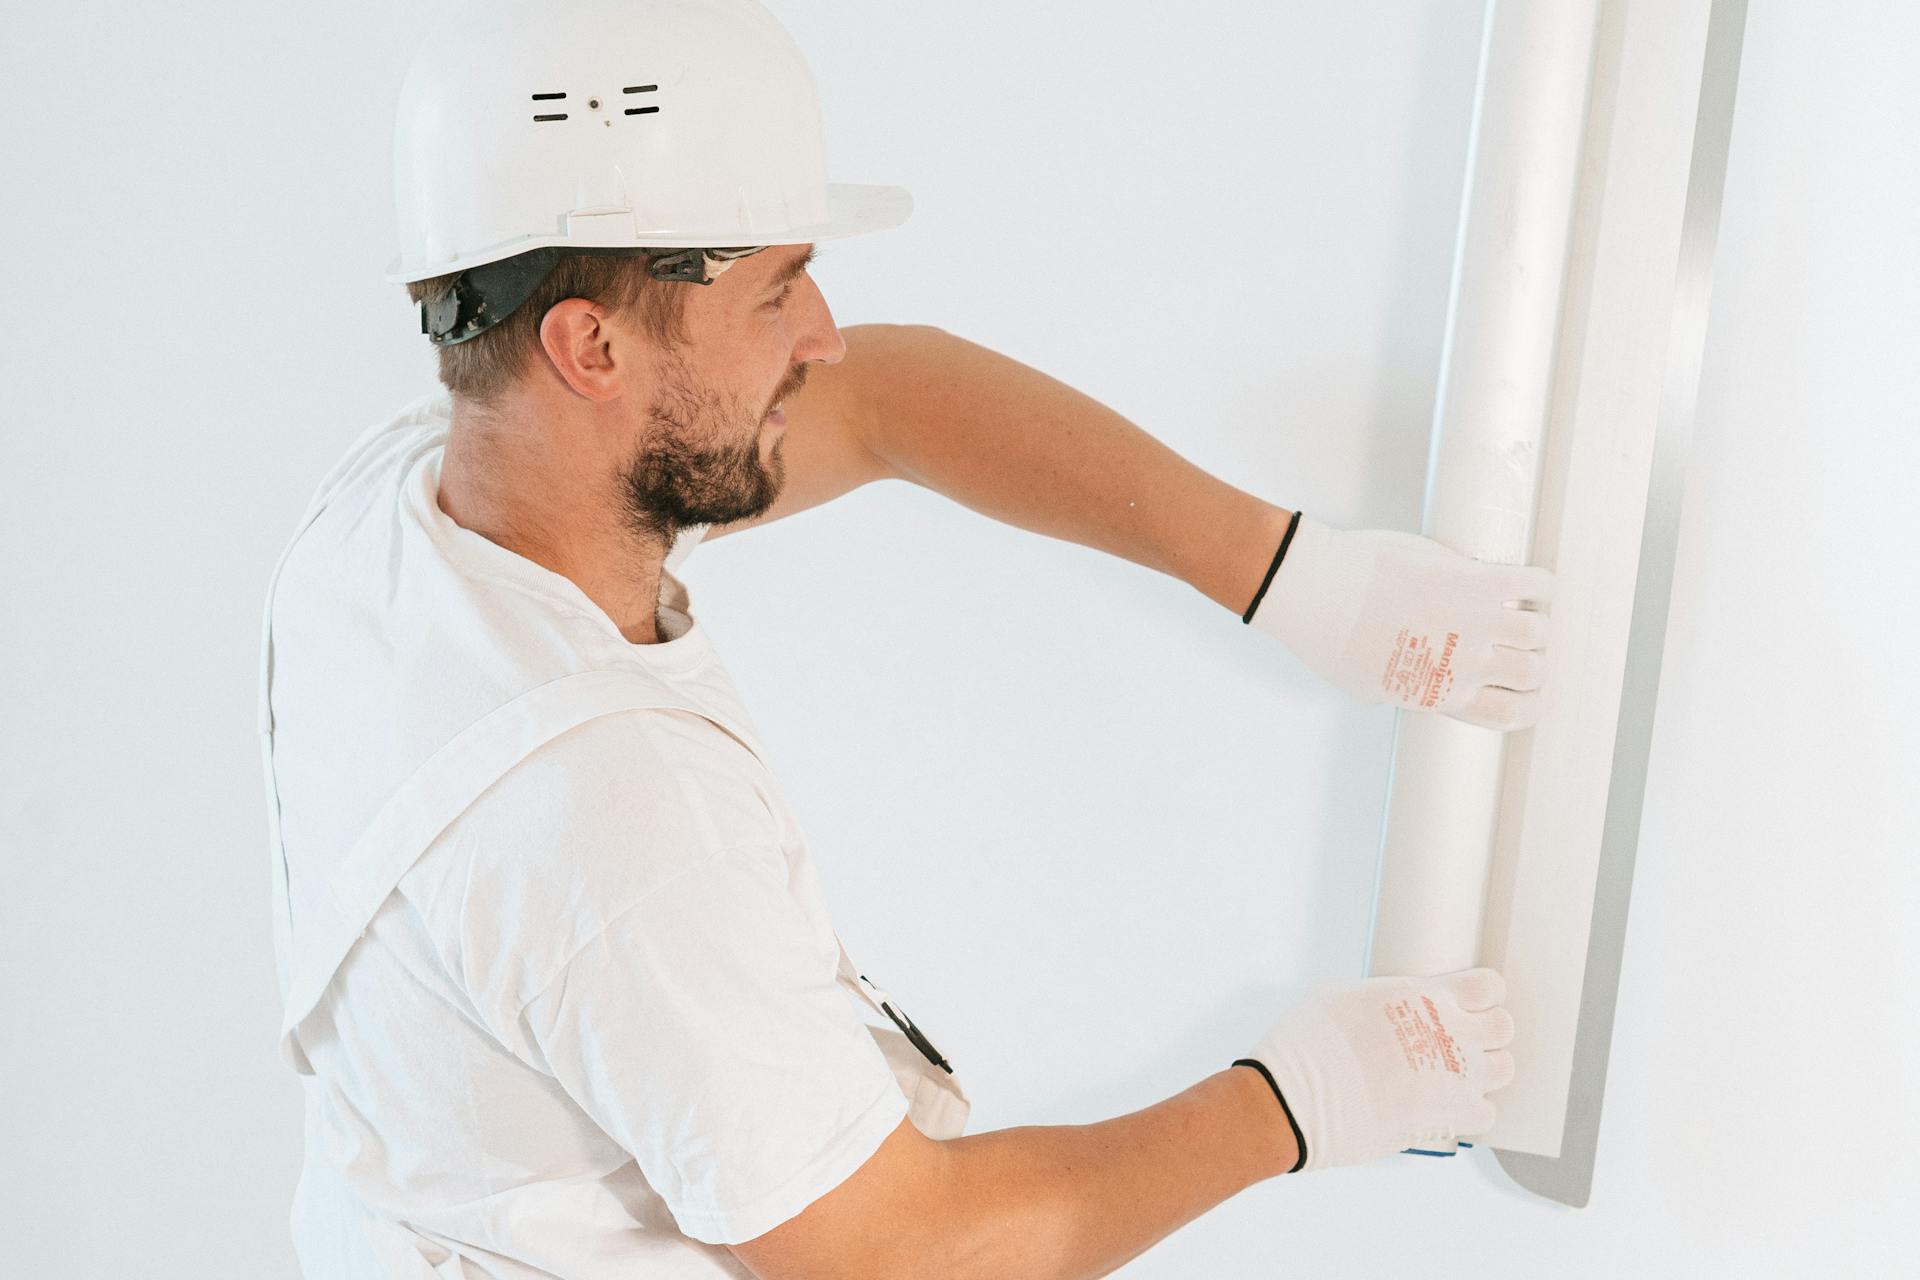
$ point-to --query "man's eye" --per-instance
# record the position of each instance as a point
(781, 297)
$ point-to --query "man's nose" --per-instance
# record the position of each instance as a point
(822, 341)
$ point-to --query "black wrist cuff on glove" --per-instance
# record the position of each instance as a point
(1271, 570)
(1299, 1138)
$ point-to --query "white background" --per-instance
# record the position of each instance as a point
(1090, 829)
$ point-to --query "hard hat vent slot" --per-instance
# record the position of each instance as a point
(632, 111)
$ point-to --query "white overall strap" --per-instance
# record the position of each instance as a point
(263, 721)
(423, 806)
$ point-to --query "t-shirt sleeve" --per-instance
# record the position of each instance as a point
(703, 1030)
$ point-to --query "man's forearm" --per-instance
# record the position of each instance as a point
(1069, 1202)
(1010, 442)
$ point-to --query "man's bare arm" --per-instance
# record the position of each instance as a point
(917, 403)
(1038, 1202)
(1010, 442)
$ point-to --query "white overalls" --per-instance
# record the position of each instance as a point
(308, 951)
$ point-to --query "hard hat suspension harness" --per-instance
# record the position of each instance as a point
(483, 296)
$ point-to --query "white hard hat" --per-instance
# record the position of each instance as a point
(610, 126)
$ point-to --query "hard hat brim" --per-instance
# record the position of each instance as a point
(853, 209)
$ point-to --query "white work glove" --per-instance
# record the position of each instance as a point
(1367, 1068)
(1396, 617)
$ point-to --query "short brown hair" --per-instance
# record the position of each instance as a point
(482, 368)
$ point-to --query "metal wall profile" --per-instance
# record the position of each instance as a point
(1561, 429)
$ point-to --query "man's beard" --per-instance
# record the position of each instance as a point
(675, 479)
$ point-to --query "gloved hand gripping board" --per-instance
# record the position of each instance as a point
(1560, 435)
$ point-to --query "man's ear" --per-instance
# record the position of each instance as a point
(578, 338)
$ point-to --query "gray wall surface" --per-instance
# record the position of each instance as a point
(1092, 831)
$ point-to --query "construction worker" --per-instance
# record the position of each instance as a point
(561, 984)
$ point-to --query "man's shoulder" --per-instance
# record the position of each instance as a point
(662, 763)
(424, 420)
(608, 810)
(589, 824)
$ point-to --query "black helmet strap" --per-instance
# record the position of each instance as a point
(483, 296)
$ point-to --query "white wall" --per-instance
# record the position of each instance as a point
(1091, 830)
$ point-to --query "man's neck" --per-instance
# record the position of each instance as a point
(545, 519)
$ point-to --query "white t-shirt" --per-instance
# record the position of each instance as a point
(595, 1031)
